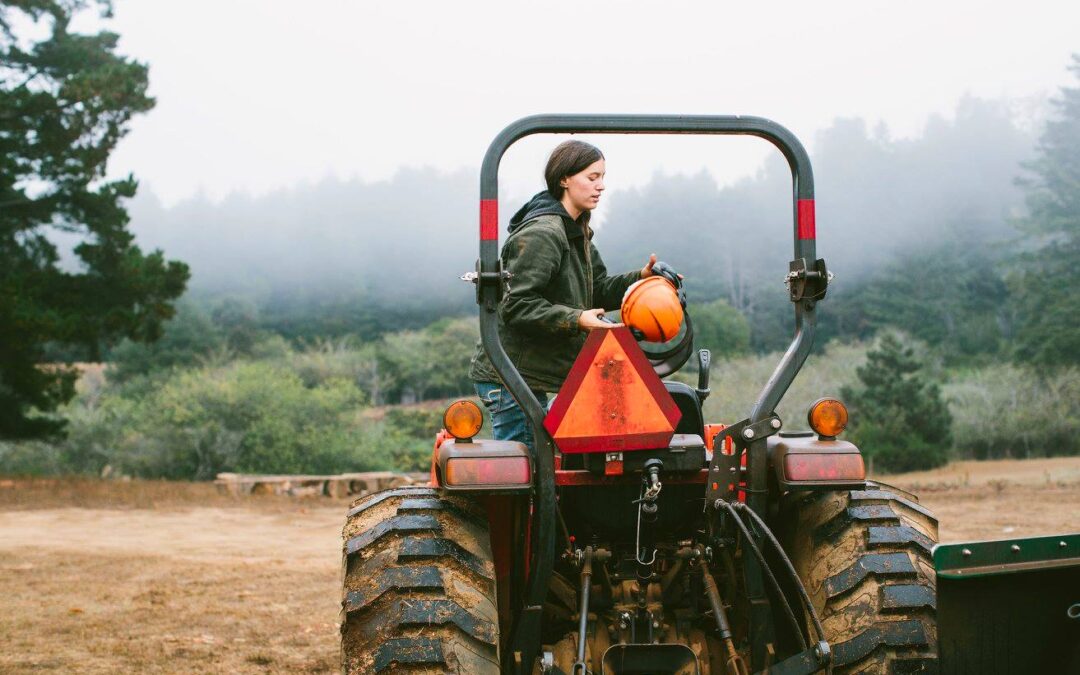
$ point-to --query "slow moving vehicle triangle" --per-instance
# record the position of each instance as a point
(612, 400)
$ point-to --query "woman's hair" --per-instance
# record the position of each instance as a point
(568, 158)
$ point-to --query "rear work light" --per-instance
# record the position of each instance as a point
(815, 467)
(461, 471)
(463, 420)
(828, 417)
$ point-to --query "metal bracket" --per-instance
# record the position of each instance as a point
(807, 283)
(813, 660)
(500, 278)
(724, 470)
(547, 664)
(723, 474)
(524, 642)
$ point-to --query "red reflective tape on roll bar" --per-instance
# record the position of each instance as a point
(807, 228)
(489, 219)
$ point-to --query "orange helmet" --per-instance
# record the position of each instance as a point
(652, 306)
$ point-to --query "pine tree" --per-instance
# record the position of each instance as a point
(898, 417)
(65, 101)
(1045, 291)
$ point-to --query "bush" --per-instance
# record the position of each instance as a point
(192, 406)
(323, 360)
(245, 416)
(429, 363)
(414, 421)
(1009, 411)
(402, 451)
(253, 417)
(31, 458)
(720, 328)
(736, 383)
(189, 338)
(303, 411)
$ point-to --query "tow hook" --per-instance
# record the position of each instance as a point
(647, 510)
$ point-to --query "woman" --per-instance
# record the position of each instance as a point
(559, 287)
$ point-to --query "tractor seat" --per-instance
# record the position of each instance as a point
(692, 421)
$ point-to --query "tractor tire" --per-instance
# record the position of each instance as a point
(865, 559)
(419, 585)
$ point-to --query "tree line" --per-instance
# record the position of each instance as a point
(964, 237)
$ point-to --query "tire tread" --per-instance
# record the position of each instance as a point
(865, 558)
(419, 586)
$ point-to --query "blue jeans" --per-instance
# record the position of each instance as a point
(508, 421)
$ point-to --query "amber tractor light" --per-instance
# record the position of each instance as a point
(463, 420)
(827, 418)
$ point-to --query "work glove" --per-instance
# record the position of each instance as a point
(665, 270)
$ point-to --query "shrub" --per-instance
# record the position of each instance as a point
(736, 383)
(324, 359)
(416, 422)
(720, 328)
(1008, 411)
(429, 363)
(401, 451)
(188, 339)
(31, 458)
(252, 417)
(245, 416)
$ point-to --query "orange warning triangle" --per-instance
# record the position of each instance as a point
(612, 399)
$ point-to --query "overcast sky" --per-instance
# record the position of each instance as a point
(262, 95)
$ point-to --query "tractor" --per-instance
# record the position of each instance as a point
(636, 538)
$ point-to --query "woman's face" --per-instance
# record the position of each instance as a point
(583, 188)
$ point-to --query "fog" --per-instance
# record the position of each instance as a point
(405, 240)
(258, 97)
(300, 155)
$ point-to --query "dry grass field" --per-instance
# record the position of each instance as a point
(106, 577)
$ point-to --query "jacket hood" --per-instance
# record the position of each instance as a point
(544, 203)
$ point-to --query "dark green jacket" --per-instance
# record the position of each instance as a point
(556, 273)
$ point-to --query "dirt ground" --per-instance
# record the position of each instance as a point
(171, 577)
(1000, 499)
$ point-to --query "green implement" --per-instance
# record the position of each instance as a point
(1010, 606)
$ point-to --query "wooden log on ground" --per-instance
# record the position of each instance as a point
(339, 486)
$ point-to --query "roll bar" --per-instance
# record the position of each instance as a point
(491, 280)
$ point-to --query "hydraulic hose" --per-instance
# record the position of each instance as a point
(788, 613)
(791, 571)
